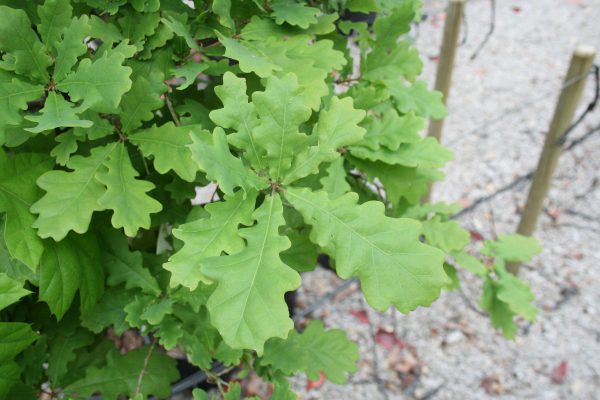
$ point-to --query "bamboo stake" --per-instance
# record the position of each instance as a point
(443, 76)
(581, 62)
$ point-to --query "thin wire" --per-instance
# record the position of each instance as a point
(515, 109)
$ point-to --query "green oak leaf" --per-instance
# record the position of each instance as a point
(212, 154)
(517, 294)
(238, 114)
(447, 236)
(69, 265)
(500, 313)
(62, 352)
(67, 145)
(9, 378)
(150, 371)
(28, 56)
(125, 195)
(374, 247)
(18, 191)
(180, 29)
(71, 197)
(223, 9)
(416, 97)
(293, 13)
(469, 262)
(57, 113)
(209, 237)
(392, 130)
(146, 6)
(427, 153)
(281, 111)
(125, 266)
(512, 248)
(189, 71)
(55, 16)
(168, 144)
(334, 182)
(14, 338)
(100, 84)
(314, 351)
(388, 28)
(10, 291)
(250, 57)
(14, 95)
(337, 127)
(60, 274)
(383, 63)
(138, 104)
(109, 311)
(71, 47)
(247, 306)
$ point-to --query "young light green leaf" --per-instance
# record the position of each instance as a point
(209, 237)
(447, 236)
(334, 182)
(100, 84)
(125, 195)
(512, 248)
(181, 29)
(250, 308)
(313, 351)
(18, 191)
(145, 6)
(238, 114)
(427, 153)
(297, 14)
(71, 47)
(281, 111)
(500, 313)
(517, 294)
(67, 145)
(392, 130)
(337, 127)
(57, 112)
(469, 262)
(400, 60)
(417, 98)
(29, 57)
(71, 197)
(168, 144)
(223, 9)
(251, 58)
(10, 291)
(374, 247)
(55, 16)
(211, 152)
(189, 71)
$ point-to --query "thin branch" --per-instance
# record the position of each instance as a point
(172, 111)
(488, 35)
(138, 387)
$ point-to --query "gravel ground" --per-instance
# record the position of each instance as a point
(500, 107)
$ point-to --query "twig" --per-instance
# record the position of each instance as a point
(378, 381)
(138, 387)
(172, 110)
(324, 298)
(490, 31)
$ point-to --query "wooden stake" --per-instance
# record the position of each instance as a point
(581, 62)
(443, 76)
